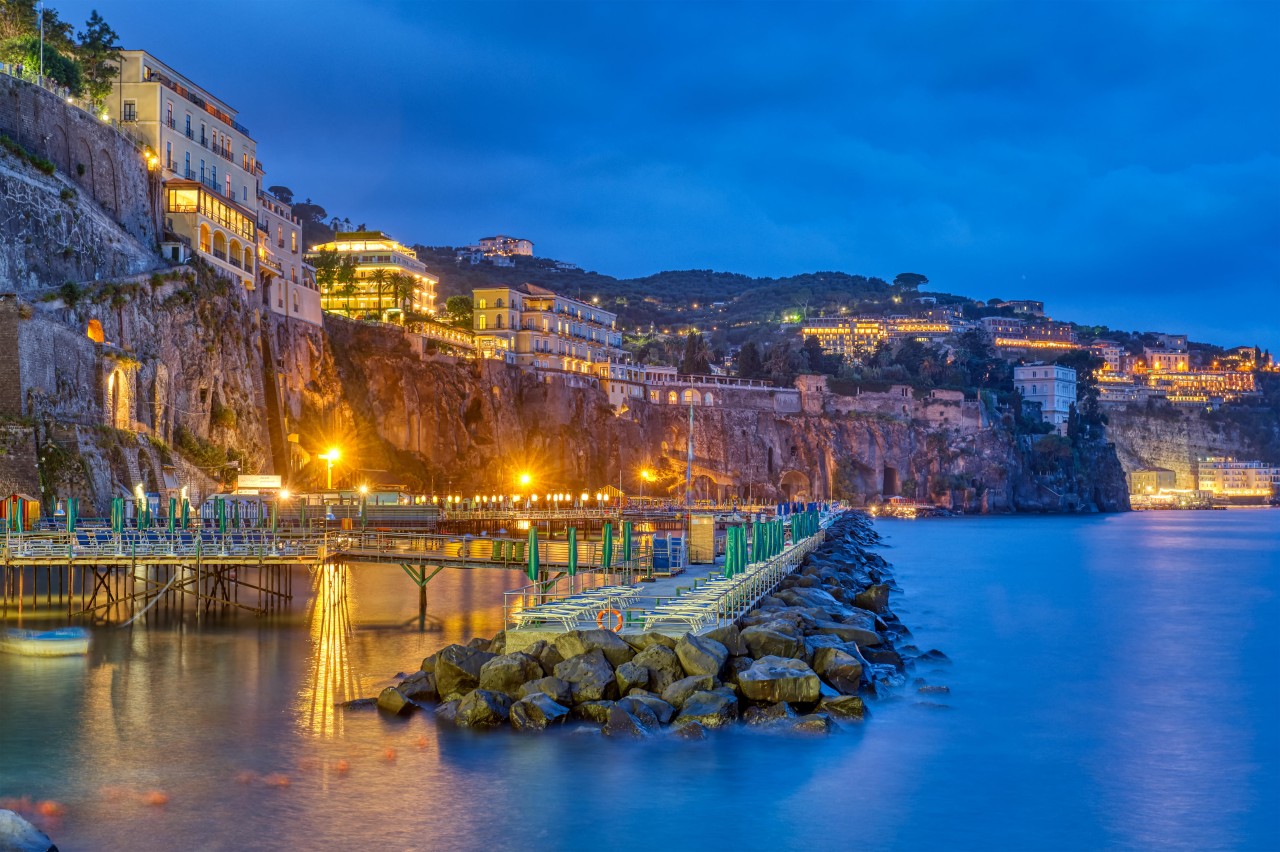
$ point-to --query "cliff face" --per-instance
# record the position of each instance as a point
(473, 427)
(1174, 438)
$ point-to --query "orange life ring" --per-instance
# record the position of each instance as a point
(600, 620)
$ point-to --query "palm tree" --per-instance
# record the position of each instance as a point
(379, 279)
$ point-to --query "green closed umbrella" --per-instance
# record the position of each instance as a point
(275, 516)
(729, 557)
(364, 512)
(220, 509)
(235, 513)
(626, 541)
(302, 514)
(573, 551)
(606, 546)
(173, 511)
(533, 552)
(186, 512)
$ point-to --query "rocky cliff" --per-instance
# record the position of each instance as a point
(1175, 438)
(472, 427)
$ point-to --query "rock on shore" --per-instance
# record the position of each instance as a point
(800, 661)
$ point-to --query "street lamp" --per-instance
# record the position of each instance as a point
(646, 475)
(330, 457)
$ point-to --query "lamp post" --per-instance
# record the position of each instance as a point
(646, 475)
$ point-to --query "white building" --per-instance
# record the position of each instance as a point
(288, 281)
(207, 158)
(541, 329)
(1053, 387)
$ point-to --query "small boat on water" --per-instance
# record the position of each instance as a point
(64, 642)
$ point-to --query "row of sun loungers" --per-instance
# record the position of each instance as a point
(572, 611)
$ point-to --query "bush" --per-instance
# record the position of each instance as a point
(71, 294)
(223, 416)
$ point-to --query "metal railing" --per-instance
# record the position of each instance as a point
(105, 545)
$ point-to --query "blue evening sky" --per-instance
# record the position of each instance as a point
(1119, 161)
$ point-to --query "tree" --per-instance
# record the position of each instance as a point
(783, 363)
(814, 356)
(750, 364)
(696, 359)
(17, 19)
(461, 310)
(97, 53)
(25, 50)
(910, 280)
(380, 279)
(284, 193)
(403, 287)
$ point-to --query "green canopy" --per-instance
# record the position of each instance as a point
(606, 546)
(573, 551)
(533, 552)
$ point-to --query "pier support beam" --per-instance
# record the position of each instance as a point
(420, 577)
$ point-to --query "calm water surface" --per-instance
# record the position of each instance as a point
(1115, 685)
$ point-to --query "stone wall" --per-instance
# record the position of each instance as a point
(104, 164)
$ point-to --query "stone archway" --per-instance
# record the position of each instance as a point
(104, 182)
(794, 485)
(94, 332)
(118, 401)
(60, 151)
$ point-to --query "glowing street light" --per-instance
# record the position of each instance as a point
(525, 479)
(330, 457)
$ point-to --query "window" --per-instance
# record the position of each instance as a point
(187, 165)
(295, 303)
(129, 112)
(202, 170)
(188, 124)
(168, 155)
(293, 238)
(497, 303)
(482, 304)
(497, 321)
(481, 322)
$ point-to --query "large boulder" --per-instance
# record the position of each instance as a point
(874, 598)
(709, 709)
(885, 656)
(643, 641)
(420, 690)
(844, 707)
(661, 709)
(775, 679)
(578, 642)
(663, 665)
(631, 676)
(813, 598)
(762, 641)
(592, 711)
(728, 636)
(700, 655)
(536, 712)
(548, 656)
(859, 633)
(768, 714)
(633, 720)
(447, 713)
(509, 672)
(482, 708)
(498, 644)
(817, 724)
(590, 677)
(838, 668)
(393, 702)
(689, 730)
(18, 835)
(429, 663)
(457, 670)
(553, 687)
(480, 643)
(676, 693)
(735, 667)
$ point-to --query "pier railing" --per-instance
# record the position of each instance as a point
(104, 545)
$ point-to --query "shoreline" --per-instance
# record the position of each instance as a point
(805, 659)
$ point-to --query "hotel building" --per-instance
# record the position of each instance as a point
(1053, 387)
(505, 246)
(208, 161)
(1226, 477)
(378, 290)
(847, 337)
(532, 326)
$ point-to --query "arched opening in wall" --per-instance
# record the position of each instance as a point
(83, 169)
(708, 399)
(672, 399)
(890, 484)
(117, 407)
(248, 259)
(205, 240)
(61, 150)
(104, 182)
(233, 253)
(94, 332)
(219, 245)
(794, 485)
(691, 397)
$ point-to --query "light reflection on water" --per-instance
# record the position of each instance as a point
(1114, 685)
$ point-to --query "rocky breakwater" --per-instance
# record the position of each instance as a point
(803, 660)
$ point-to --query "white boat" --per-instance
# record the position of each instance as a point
(64, 642)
